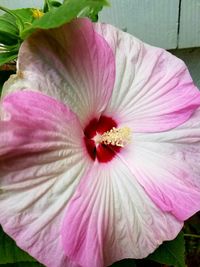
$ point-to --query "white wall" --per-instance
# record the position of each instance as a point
(190, 24)
(21, 3)
(153, 21)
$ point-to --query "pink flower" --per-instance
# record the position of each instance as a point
(99, 147)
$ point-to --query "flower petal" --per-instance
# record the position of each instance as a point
(71, 63)
(167, 166)
(110, 217)
(153, 90)
(41, 162)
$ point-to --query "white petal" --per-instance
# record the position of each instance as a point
(153, 89)
(111, 217)
(167, 165)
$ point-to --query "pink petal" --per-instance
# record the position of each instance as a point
(167, 165)
(110, 217)
(71, 63)
(153, 90)
(41, 162)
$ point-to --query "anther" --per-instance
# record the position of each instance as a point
(116, 137)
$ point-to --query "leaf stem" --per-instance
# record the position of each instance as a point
(192, 235)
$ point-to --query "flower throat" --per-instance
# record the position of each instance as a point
(104, 140)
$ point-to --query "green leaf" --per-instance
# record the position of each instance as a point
(11, 23)
(7, 56)
(63, 14)
(23, 264)
(25, 16)
(91, 13)
(8, 53)
(51, 4)
(102, 2)
(16, 25)
(7, 39)
(124, 263)
(18, 21)
(8, 30)
(10, 253)
(171, 252)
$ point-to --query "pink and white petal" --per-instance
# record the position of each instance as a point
(153, 89)
(32, 215)
(41, 163)
(72, 63)
(167, 166)
(32, 123)
(110, 217)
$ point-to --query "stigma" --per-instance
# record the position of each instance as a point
(115, 137)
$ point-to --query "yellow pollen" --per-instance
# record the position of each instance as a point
(116, 137)
(37, 13)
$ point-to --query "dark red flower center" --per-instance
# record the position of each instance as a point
(100, 151)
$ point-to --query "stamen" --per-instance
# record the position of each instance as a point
(116, 137)
(37, 13)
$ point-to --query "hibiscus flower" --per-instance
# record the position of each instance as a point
(99, 146)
